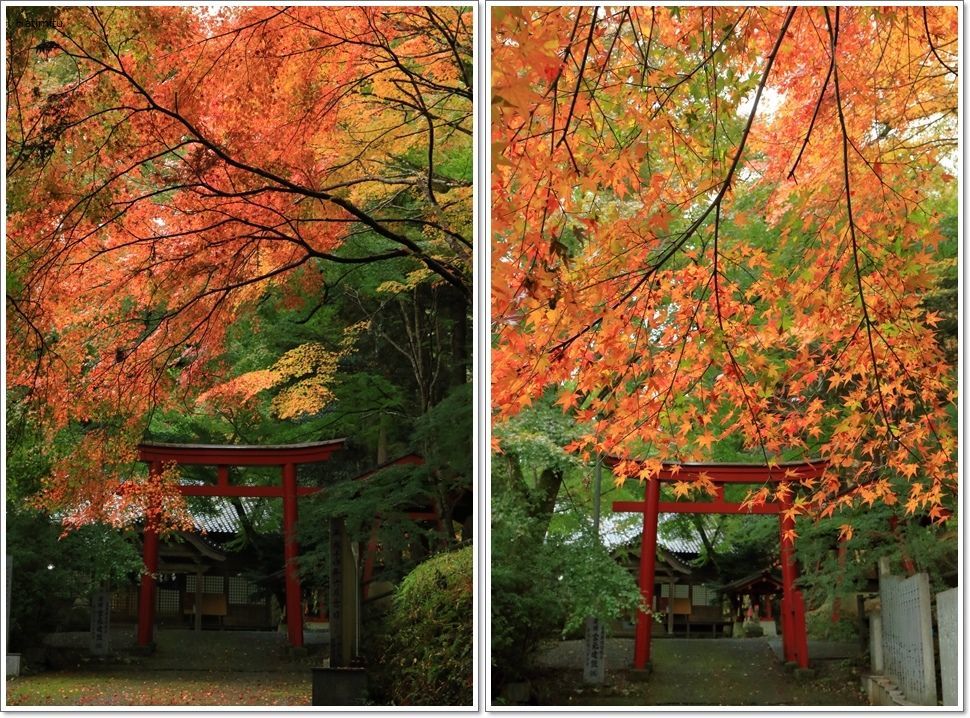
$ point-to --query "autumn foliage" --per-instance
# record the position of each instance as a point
(718, 222)
(166, 165)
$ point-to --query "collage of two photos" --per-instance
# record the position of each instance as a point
(482, 357)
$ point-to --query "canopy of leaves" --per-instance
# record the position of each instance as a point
(170, 168)
(720, 224)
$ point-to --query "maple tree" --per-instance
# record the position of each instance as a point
(720, 223)
(167, 167)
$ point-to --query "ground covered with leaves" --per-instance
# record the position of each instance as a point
(210, 668)
(159, 688)
(699, 672)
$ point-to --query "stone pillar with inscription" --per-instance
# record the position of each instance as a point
(13, 659)
(335, 605)
(100, 622)
(594, 669)
(344, 597)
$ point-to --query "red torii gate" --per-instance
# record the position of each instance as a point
(286, 456)
(794, 636)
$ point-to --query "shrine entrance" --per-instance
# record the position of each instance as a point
(794, 636)
(287, 457)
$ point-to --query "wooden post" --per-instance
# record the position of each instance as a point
(670, 604)
(837, 601)
(795, 638)
(343, 597)
(594, 669)
(787, 523)
(801, 633)
(335, 607)
(291, 550)
(146, 598)
(648, 560)
(350, 584)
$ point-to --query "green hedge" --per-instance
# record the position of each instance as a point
(427, 656)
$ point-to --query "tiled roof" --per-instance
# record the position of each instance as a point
(223, 517)
(620, 529)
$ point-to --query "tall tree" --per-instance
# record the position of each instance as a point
(166, 166)
(717, 222)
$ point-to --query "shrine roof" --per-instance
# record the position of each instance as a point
(763, 576)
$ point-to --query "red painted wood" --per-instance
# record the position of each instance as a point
(648, 558)
(287, 456)
(787, 629)
(214, 455)
(794, 634)
(633, 507)
(146, 598)
(215, 490)
(738, 473)
(786, 523)
(291, 551)
(800, 630)
(716, 507)
(698, 507)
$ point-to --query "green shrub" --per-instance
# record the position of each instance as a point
(50, 573)
(545, 588)
(819, 625)
(427, 643)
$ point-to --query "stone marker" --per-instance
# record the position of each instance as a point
(9, 570)
(100, 623)
(13, 659)
(594, 669)
(335, 604)
(947, 620)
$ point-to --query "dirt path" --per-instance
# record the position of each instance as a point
(700, 672)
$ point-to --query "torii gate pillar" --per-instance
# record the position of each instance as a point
(291, 553)
(648, 561)
(146, 595)
(794, 634)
